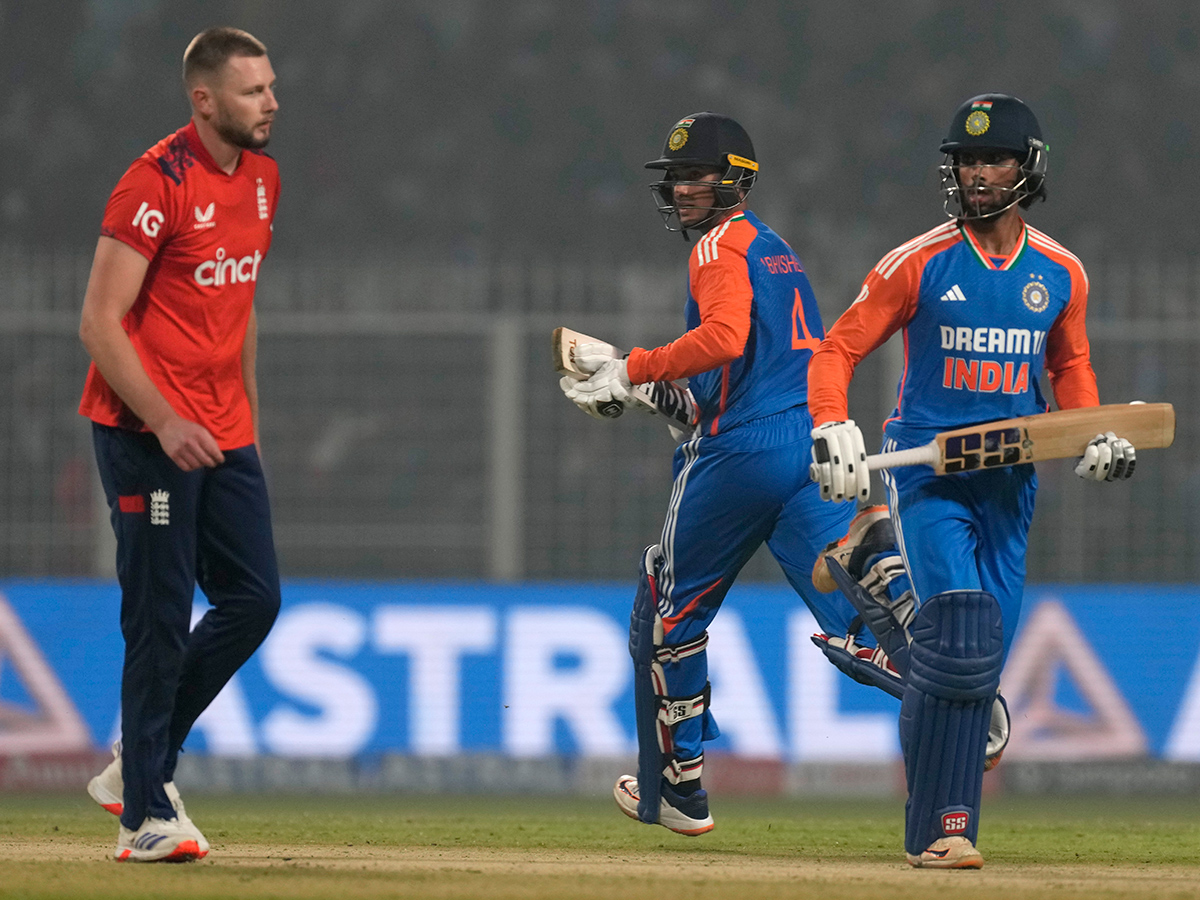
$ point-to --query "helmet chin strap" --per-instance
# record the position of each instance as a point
(955, 192)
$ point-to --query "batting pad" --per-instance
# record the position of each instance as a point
(954, 672)
(643, 623)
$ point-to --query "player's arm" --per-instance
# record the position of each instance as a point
(883, 306)
(723, 295)
(1108, 457)
(113, 286)
(250, 370)
(1068, 354)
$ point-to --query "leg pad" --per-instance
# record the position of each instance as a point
(950, 689)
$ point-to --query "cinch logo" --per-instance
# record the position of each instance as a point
(149, 219)
(160, 512)
(955, 822)
(222, 271)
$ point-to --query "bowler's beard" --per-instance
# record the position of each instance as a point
(234, 134)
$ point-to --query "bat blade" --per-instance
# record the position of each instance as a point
(1053, 435)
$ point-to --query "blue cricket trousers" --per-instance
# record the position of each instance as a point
(732, 493)
(965, 532)
(175, 530)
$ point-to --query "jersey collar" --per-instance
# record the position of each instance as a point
(1009, 261)
(201, 152)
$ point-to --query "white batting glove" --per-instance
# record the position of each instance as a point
(1107, 458)
(840, 462)
(610, 384)
(590, 356)
(585, 401)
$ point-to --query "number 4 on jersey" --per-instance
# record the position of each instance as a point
(802, 338)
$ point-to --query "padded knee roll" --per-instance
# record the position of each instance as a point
(954, 672)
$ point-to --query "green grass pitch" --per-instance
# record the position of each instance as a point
(490, 847)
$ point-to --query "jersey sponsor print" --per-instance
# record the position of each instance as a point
(205, 234)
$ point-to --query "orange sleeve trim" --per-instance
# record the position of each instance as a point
(886, 303)
(1068, 352)
(719, 279)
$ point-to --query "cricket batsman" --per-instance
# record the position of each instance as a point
(986, 303)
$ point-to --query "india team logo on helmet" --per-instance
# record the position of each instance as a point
(994, 122)
(679, 134)
(978, 121)
(711, 141)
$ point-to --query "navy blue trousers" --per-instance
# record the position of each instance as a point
(175, 530)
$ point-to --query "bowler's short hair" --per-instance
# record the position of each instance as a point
(211, 49)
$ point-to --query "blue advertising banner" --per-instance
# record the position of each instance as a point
(437, 669)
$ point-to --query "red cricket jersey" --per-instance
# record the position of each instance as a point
(206, 234)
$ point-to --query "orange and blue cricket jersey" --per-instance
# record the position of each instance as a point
(978, 333)
(752, 323)
(742, 479)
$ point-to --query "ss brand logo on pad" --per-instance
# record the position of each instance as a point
(955, 822)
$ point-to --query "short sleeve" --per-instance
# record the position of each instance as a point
(138, 211)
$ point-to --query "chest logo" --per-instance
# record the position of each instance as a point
(204, 217)
(1036, 296)
(955, 293)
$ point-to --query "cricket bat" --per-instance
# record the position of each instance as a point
(664, 398)
(1053, 435)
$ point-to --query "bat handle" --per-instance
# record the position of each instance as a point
(925, 455)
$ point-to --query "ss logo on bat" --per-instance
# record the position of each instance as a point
(984, 449)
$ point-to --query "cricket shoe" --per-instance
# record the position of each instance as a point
(156, 840)
(184, 820)
(870, 533)
(108, 789)
(947, 853)
(683, 815)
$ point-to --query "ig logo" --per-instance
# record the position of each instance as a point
(150, 219)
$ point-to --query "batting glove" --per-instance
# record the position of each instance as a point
(609, 385)
(1107, 458)
(590, 356)
(840, 462)
(581, 398)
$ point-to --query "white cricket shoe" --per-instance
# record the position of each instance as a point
(108, 789)
(184, 820)
(157, 840)
(948, 853)
(683, 815)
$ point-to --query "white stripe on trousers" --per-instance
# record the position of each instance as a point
(666, 575)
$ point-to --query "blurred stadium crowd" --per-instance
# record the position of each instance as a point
(462, 173)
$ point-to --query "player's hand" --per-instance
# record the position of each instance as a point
(189, 444)
(590, 356)
(1107, 458)
(607, 390)
(576, 392)
(840, 462)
